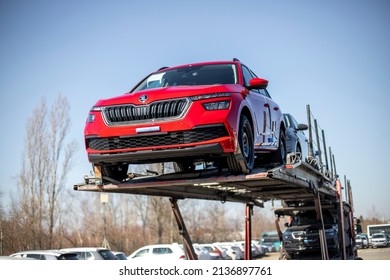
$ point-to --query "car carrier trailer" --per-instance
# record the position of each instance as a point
(297, 181)
(290, 183)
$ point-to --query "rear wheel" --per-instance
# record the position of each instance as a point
(245, 140)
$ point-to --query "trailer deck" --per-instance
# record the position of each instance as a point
(297, 181)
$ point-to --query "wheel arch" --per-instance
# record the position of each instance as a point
(247, 113)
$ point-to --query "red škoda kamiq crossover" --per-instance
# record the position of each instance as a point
(218, 112)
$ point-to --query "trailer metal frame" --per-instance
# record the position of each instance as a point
(291, 183)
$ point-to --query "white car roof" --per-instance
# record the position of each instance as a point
(83, 249)
(42, 252)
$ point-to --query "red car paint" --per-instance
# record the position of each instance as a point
(185, 114)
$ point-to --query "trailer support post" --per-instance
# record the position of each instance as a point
(325, 153)
(321, 230)
(318, 145)
(248, 231)
(188, 248)
(310, 140)
(341, 223)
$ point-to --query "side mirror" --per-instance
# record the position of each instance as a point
(258, 83)
(302, 126)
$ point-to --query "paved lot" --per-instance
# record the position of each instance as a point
(365, 254)
(375, 254)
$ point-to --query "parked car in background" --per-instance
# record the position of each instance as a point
(296, 140)
(201, 252)
(361, 241)
(90, 253)
(255, 250)
(119, 255)
(45, 255)
(9, 258)
(233, 251)
(217, 112)
(216, 252)
(166, 251)
(271, 241)
(378, 240)
(261, 251)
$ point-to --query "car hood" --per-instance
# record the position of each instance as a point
(305, 228)
(167, 93)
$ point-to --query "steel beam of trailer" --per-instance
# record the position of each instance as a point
(295, 181)
(291, 182)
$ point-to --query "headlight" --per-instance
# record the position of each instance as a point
(330, 232)
(220, 105)
(210, 95)
(298, 234)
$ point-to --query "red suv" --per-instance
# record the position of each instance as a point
(215, 112)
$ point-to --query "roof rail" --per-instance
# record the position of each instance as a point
(165, 67)
(235, 59)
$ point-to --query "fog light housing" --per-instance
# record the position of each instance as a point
(91, 118)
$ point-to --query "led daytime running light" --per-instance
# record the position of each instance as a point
(96, 109)
(210, 95)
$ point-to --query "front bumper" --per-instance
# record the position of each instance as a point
(146, 156)
(202, 142)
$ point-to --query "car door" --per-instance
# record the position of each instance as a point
(274, 115)
(260, 110)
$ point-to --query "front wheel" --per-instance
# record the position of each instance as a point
(117, 172)
(183, 166)
(244, 162)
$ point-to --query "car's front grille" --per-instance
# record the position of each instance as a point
(122, 114)
(172, 138)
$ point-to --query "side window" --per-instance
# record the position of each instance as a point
(247, 74)
(88, 256)
(34, 256)
(163, 250)
(294, 123)
(79, 255)
(141, 253)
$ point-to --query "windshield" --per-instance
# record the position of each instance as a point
(310, 218)
(209, 74)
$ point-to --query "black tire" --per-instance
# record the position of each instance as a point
(298, 150)
(117, 172)
(245, 141)
(281, 153)
(183, 166)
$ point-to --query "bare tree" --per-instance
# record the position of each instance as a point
(47, 160)
(58, 152)
(159, 207)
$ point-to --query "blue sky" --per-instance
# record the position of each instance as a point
(333, 55)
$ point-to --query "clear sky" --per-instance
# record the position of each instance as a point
(333, 55)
